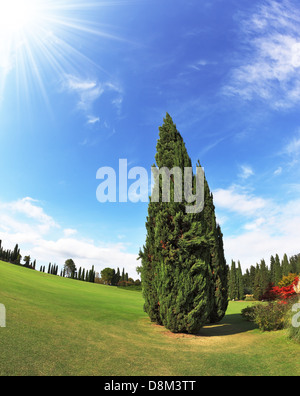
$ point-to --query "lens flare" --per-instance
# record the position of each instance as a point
(39, 38)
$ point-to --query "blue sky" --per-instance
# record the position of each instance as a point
(85, 84)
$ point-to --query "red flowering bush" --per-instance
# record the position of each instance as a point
(272, 316)
(281, 293)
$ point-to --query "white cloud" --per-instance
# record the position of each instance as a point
(238, 202)
(29, 208)
(262, 227)
(293, 148)
(278, 171)
(246, 172)
(93, 120)
(70, 232)
(270, 70)
(86, 253)
(88, 91)
(39, 235)
(291, 151)
(76, 84)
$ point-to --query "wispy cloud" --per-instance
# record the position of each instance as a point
(89, 91)
(93, 120)
(263, 226)
(246, 172)
(291, 151)
(293, 148)
(200, 64)
(270, 69)
(278, 171)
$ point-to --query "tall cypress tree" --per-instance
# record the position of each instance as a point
(233, 283)
(240, 282)
(218, 264)
(178, 271)
(285, 266)
(277, 270)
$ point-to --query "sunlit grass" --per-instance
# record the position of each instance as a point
(59, 326)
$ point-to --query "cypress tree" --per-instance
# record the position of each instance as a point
(285, 266)
(272, 269)
(264, 276)
(233, 283)
(218, 264)
(240, 282)
(177, 271)
(257, 291)
(278, 270)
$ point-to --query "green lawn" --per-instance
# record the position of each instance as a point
(59, 326)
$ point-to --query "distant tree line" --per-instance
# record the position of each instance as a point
(69, 270)
(110, 276)
(257, 279)
(14, 257)
(52, 269)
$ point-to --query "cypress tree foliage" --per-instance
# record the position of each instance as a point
(272, 269)
(286, 267)
(264, 276)
(218, 264)
(295, 264)
(277, 270)
(233, 282)
(240, 282)
(257, 291)
(178, 271)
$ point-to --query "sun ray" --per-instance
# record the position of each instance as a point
(41, 36)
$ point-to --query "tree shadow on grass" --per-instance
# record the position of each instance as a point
(231, 324)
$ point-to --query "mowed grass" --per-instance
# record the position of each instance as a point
(59, 326)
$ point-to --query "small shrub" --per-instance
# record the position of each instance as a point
(270, 316)
(249, 313)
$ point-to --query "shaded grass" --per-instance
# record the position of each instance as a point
(58, 326)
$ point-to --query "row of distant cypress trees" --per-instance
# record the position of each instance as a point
(11, 256)
(183, 271)
(257, 279)
(52, 269)
(84, 275)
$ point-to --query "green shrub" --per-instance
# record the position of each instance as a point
(269, 317)
(249, 313)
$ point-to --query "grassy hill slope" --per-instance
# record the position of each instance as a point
(58, 326)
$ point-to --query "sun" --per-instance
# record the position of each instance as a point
(17, 15)
(42, 41)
